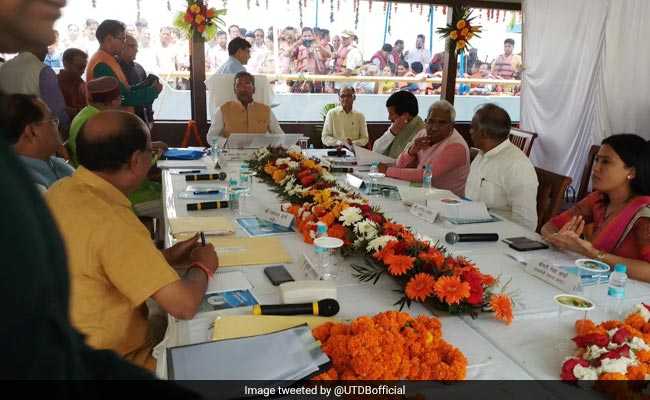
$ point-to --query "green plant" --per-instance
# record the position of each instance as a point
(326, 108)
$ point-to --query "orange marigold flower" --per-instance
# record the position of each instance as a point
(502, 306)
(612, 376)
(643, 356)
(451, 289)
(311, 164)
(199, 19)
(636, 321)
(609, 325)
(211, 12)
(279, 175)
(585, 327)
(433, 256)
(637, 372)
(399, 265)
(420, 287)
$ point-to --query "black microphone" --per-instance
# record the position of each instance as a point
(324, 308)
(221, 176)
(452, 237)
(207, 205)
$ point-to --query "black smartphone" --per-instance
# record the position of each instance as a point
(525, 244)
(277, 274)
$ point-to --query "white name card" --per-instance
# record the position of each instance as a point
(424, 213)
(554, 275)
(278, 217)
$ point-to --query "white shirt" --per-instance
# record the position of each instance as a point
(505, 180)
(421, 55)
(340, 126)
(217, 56)
(383, 143)
(216, 129)
(354, 58)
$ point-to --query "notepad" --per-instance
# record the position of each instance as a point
(239, 251)
(236, 326)
(461, 212)
(184, 227)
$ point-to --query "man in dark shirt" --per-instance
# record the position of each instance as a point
(71, 83)
(135, 74)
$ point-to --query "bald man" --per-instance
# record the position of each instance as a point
(114, 265)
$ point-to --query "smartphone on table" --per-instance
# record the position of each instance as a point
(277, 274)
(525, 244)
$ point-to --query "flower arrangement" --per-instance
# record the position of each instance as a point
(612, 350)
(389, 346)
(461, 30)
(426, 272)
(198, 17)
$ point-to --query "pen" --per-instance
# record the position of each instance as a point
(206, 192)
(194, 171)
(202, 239)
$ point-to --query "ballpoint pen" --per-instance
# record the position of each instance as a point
(194, 171)
(199, 192)
(202, 239)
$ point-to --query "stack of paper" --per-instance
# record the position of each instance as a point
(461, 212)
(286, 355)
(226, 290)
(367, 157)
(236, 326)
(238, 251)
(185, 227)
(417, 194)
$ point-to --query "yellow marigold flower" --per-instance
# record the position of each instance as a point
(453, 35)
(199, 19)
(461, 44)
(195, 9)
(461, 24)
(464, 32)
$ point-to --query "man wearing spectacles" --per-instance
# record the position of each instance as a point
(344, 126)
(34, 132)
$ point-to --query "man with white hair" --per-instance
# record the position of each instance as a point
(439, 146)
(344, 126)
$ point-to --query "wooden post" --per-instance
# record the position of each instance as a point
(450, 66)
(197, 83)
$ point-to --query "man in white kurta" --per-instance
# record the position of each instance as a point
(501, 175)
(343, 125)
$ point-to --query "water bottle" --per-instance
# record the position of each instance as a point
(214, 151)
(322, 253)
(233, 196)
(244, 177)
(426, 178)
(616, 288)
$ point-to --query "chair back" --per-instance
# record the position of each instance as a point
(522, 139)
(550, 194)
(586, 173)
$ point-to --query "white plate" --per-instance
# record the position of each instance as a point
(599, 266)
(590, 307)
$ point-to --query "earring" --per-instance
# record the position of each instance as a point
(629, 177)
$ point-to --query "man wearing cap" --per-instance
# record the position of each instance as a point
(111, 35)
(348, 57)
(103, 94)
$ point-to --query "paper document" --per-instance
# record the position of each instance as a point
(415, 195)
(188, 226)
(256, 140)
(258, 227)
(200, 164)
(238, 251)
(459, 211)
(367, 157)
(224, 281)
(235, 326)
(227, 300)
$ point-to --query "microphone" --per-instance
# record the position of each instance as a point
(207, 205)
(324, 308)
(452, 237)
(221, 176)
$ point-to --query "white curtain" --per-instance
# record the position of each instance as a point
(585, 77)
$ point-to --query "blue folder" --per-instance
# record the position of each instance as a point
(183, 154)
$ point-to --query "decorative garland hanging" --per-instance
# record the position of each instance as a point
(444, 10)
(338, 5)
(137, 5)
(395, 8)
(267, 4)
(356, 14)
(225, 3)
(331, 11)
(421, 9)
(257, 3)
(369, 6)
(411, 7)
(169, 6)
(94, 4)
(461, 30)
(248, 4)
(300, 10)
(385, 5)
(199, 18)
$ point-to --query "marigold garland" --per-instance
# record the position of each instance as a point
(426, 271)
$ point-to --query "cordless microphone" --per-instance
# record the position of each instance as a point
(221, 176)
(452, 237)
(324, 308)
(207, 205)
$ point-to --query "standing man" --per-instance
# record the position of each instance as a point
(344, 126)
(239, 51)
(309, 55)
(507, 65)
(217, 52)
(398, 52)
(53, 57)
(134, 75)
(348, 58)
(111, 35)
(70, 80)
(419, 53)
(258, 51)
(403, 111)
(234, 32)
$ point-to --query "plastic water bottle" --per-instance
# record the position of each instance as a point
(616, 288)
(233, 196)
(244, 177)
(426, 178)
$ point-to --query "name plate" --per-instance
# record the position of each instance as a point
(554, 275)
(278, 217)
(424, 213)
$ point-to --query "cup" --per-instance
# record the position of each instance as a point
(328, 264)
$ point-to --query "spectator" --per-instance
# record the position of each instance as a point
(234, 32)
(135, 75)
(398, 52)
(309, 55)
(419, 53)
(166, 58)
(250, 38)
(217, 51)
(53, 57)
(349, 58)
(437, 63)
(367, 87)
(239, 51)
(258, 51)
(70, 80)
(507, 65)
(387, 87)
(382, 57)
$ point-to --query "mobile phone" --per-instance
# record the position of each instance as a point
(277, 274)
(525, 244)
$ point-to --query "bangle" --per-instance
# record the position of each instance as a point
(202, 267)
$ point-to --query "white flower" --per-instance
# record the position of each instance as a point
(282, 161)
(356, 200)
(585, 373)
(379, 243)
(350, 215)
(328, 177)
(367, 229)
(261, 153)
(358, 243)
(293, 165)
(294, 149)
(594, 352)
(640, 308)
(638, 344)
(620, 365)
(325, 164)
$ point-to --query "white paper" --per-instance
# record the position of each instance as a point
(457, 209)
(410, 194)
(193, 164)
(256, 140)
(277, 217)
(367, 157)
(227, 282)
(424, 213)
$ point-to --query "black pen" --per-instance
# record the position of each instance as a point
(202, 239)
(194, 171)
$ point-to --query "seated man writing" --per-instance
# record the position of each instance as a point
(617, 211)
(113, 263)
(344, 126)
(441, 147)
(242, 115)
(403, 113)
(34, 131)
(501, 175)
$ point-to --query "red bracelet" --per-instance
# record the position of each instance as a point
(205, 269)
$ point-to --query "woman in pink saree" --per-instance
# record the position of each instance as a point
(612, 224)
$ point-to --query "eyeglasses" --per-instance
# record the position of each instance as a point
(437, 122)
(54, 121)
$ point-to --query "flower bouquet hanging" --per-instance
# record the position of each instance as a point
(461, 30)
(198, 17)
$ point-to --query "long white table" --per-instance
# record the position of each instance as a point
(523, 350)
